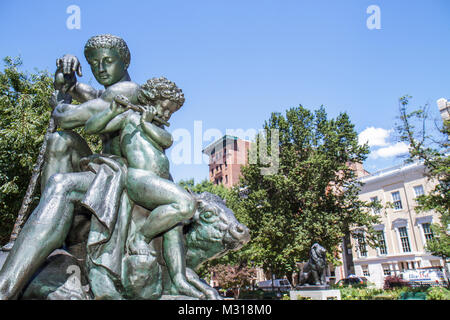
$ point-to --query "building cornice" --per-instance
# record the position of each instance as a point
(392, 172)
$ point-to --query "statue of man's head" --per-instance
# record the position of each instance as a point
(109, 58)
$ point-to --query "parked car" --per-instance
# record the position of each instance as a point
(278, 285)
(352, 281)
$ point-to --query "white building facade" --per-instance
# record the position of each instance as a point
(402, 231)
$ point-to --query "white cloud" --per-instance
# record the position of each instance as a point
(375, 137)
(390, 151)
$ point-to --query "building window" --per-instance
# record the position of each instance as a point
(361, 241)
(226, 179)
(397, 200)
(404, 240)
(365, 270)
(386, 270)
(427, 232)
(375, 200)
(418, 190)
(382, 243)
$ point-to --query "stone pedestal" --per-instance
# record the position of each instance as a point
(3, 256)
(316, 293)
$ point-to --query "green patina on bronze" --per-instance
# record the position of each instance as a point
(132, 232)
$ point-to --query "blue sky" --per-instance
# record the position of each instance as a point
(238, 61)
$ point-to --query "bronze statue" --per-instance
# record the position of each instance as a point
(314, 271)
(119, 211)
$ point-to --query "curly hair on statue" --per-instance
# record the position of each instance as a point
(160, 89)
(109, 41)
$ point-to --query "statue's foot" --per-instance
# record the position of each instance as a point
(185, 288)
(213, 295)
(7, 247)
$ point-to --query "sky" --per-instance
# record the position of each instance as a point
(239, 61)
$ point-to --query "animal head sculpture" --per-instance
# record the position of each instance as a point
(318, 255)
(213, 231)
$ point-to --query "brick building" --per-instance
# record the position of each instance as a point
(226, 156)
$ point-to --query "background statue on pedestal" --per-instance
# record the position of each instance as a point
(314, 271)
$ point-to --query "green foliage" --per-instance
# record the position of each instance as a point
(286, 297)
(432, 293)
(312, 198)
(205, 186)
(24, 118)
(432, 148)
(438, 293)
(351, 293)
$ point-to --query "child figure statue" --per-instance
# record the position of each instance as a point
(143, 140)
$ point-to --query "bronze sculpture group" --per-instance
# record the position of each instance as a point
(116, 216)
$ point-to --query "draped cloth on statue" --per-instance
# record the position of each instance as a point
(111, 207)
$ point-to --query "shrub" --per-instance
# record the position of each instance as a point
(348, 293)
(392, 282)
(438, 293)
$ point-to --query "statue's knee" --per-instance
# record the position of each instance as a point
(57, 183)
(58, 143)
(187, 207)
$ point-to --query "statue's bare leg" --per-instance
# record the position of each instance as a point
(64, 151)
(174, 256)
(45, 230)
(172, 205)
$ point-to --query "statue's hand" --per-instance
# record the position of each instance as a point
(65, 77)
(148, 114)
(120, 104)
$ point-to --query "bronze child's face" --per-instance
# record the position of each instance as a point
(165, 108)
(106, 65)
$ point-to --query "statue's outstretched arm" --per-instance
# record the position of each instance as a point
(69, 116)
(83, 92)
(109, 120)
(65, 79)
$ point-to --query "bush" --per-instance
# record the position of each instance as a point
(285, 297)
(348, 293)
(438, 293)
(392, 282)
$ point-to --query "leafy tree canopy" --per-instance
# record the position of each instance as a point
(24, 118)
(428, 141)
(312, 198)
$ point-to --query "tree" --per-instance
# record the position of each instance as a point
(312, 198)
(432, 148)
(24, 118)
(233, 276)
(205, 186)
